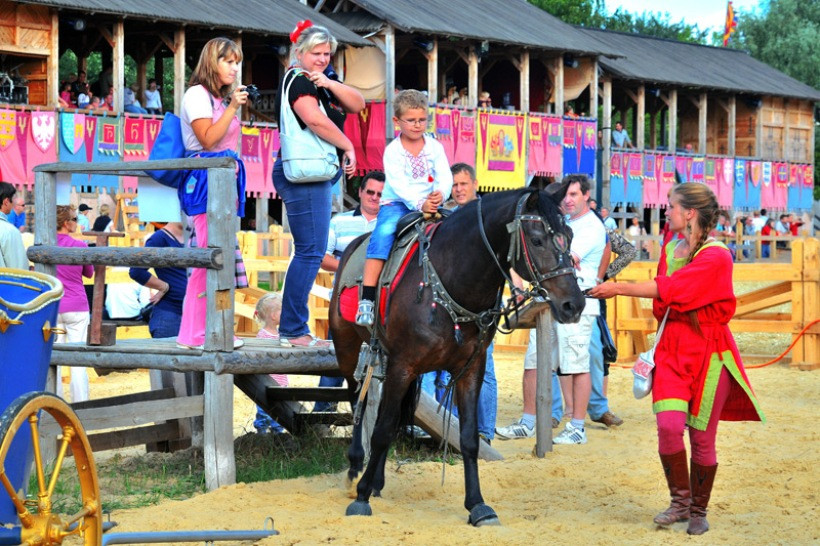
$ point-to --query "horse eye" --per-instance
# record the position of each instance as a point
(537, 242)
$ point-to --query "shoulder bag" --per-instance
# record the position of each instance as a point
(168, 145)
(305, 156)
(645, 366)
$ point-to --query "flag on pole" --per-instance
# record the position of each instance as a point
(731, 24)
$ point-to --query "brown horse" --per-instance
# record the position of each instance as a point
(446, 319)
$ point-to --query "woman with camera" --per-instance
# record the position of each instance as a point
(320, 103)
(210, 128)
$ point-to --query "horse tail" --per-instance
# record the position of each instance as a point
(407, 410)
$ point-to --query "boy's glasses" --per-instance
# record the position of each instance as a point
(371, 193)
(422, 121)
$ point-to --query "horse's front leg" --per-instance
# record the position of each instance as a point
(467, 390)
(393, 390)
(355, 453)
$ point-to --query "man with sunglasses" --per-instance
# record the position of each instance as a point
(344, 227)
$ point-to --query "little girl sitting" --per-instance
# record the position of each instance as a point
(268, 310)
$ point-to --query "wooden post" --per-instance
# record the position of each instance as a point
(524, 81)
(702, 111)
(593, 91)
(784, 152)
(673, 121)
(472, 78)
(559, 103)
(118, 74)
(220, 464)
(389, 79)
(640, 117)
(179, 70)
(432, 73)
(142, 80)
(732, 129)
(759, 131)
(543, 386)
(606, 142)
(798, 247)
(811, 302)
(45, 215)
(53, 62)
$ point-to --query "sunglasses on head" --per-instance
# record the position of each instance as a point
(371, 193)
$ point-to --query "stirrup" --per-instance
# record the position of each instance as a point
(364, 315)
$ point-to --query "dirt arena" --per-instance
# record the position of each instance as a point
(604, 492)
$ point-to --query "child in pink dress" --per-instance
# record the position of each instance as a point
(268, 311)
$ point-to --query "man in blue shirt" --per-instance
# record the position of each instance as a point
(620, 138)
(17, 216)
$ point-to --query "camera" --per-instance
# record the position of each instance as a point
(253, 93)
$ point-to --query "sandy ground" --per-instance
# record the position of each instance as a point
(605, 492)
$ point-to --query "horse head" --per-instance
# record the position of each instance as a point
(539, 251)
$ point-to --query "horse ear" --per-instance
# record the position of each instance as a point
(557, 191)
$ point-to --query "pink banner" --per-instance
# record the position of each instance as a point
(366, 131)
(726, 179)
(569, 133)
(667, 179)
(545, 156)
(12, 169)
(650, 181)
(259, 146)
(616, 165)
(23, 121)
(455, 130)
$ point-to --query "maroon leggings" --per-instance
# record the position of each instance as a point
(672, 423)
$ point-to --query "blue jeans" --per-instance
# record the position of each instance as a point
(488, 398)
(434, 383)
(164, 323)
(598, 403)
(308, 208)
(134, 109)
(381, 241)
(328, 382)
(557, 400)
(264, 421)
(765, 251)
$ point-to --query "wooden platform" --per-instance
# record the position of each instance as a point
(256, 356)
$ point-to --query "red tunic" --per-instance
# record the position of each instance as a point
(688, 363)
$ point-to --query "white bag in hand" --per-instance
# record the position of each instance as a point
(644, 367)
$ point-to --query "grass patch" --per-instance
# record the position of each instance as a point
(144, 480)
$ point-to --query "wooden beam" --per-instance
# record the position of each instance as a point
(53, 63)
(524, 81)
(169, 43)
(514, 60)
(784, 152)
(731, 133)
(106, 34)
(179, 69)
(628, 92)
(210, 258)
(672, 137)
(472, 78)
(432, 72)
(594, 91)
(559, 103)
(640, 115)
(389, 34)
(759, 131)
(703, 104)
(118, 75)
(485, 67)
(606, 129)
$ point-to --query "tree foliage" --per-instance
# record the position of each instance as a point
(593, 14)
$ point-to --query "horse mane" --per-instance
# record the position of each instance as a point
(550, 212)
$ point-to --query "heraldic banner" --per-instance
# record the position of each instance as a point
(501, 153)
(259, 148)
(544, 136)
(455, 130)
(366, 131)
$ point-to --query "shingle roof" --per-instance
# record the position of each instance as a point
(657, 60)
(276, 17)
(510, 21)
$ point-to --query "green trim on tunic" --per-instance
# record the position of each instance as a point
(673, 264)
(716, 363)
(670, 404)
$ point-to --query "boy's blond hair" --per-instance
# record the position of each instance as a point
(266, 306)
(409, 99)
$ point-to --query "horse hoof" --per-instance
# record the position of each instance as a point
(481, 515)
(359, 508)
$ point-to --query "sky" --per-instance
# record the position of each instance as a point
(707, 14)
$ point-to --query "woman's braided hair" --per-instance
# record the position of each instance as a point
(702, 199)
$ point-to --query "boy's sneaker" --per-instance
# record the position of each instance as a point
(364, 315)
(571, 435)
(515, 431)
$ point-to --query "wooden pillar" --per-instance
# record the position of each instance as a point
(53, 62)
(731, 133)
(472, 77)
(672, 127)
(390, 78)
(179, 69)
(118, 61)
(559, 102)
(784, 153)
(432, 72)
(593, 113)
(606, 142)
(524, 81)
(142, 80)
(702, 119)
(640, 117)
(759, 131)
(543, 385)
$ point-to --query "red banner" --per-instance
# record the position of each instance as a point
(366, 131)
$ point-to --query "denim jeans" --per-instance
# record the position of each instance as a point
(488, 398)
(557, 399)
(381, 240)
(598, 404)
(325, 381)
(164, 323)
(308, 208)
(434, 383)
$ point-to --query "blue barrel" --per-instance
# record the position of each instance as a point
(29, 303)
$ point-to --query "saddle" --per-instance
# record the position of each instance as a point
(410, 227)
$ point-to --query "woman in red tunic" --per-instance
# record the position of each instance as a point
(699, 378)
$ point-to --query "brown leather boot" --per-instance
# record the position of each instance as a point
(677, 478)
(702, 479)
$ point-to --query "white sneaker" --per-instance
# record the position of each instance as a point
(515, 431)
(571, 435)
(364, 315)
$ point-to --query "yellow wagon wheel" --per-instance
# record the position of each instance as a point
(40, 526)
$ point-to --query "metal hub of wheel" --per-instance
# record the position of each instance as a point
(39, 524)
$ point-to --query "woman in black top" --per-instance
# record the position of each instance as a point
(103, 220)
(308, 205)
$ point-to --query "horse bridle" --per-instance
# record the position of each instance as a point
(519, 245)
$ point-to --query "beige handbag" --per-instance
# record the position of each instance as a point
(645, 366)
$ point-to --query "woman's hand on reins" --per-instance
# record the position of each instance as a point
(603, 291)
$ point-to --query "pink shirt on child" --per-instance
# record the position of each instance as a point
(74, 298)
(280, 378)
